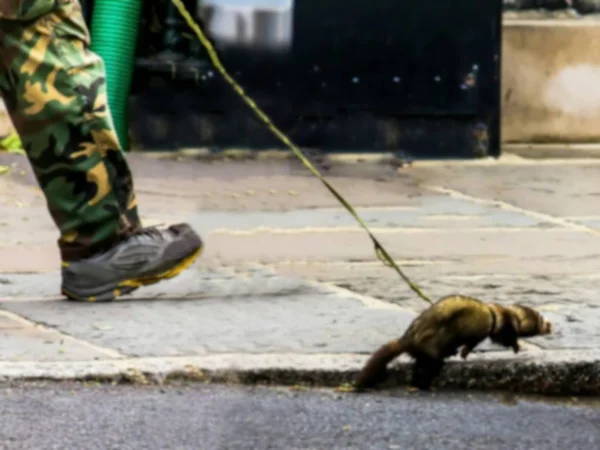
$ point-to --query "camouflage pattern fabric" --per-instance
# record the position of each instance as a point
(54, 88)
(25, 9)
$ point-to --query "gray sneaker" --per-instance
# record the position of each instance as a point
(144, 258)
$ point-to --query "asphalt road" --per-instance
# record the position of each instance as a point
(70, 416)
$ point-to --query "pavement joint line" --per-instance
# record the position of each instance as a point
(125, 299)
(395, 230)
(331, 288)
(31, 299)
(510, 276)
(471, 277)
(450, 217)
(365, 300)
(333, 209)
(527, 212)
(507, 158)
(377, 263)
(579, 276)
(22, 320)
(513, 160)
(581, 217)
(235, 268)
(361, 208)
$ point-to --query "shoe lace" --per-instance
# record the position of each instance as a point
(152, 231)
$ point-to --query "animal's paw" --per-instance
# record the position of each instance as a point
(516, 348)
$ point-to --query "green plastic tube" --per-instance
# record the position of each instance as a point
(114, 30)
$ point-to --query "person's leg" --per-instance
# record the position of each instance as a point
(55, 91)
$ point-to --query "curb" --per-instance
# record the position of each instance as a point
(512, 154)
(563, 373)
(232, 154)
(566, 151)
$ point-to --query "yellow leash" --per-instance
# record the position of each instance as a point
(380, 251)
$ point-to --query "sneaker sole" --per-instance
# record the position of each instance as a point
(128, 286)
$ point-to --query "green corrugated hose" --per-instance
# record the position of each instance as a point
(114, 29)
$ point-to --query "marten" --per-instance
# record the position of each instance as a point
(438, 332)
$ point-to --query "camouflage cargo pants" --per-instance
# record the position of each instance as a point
(55, 91)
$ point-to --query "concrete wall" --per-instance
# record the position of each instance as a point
(550, 72)
(551, 81)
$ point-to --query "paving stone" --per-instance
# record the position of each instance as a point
(441, 212)
(24, 342)
(250, 318)
(246, 296)
(570, 303)
(209, 283)
(291, 323)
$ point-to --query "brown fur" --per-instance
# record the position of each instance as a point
(532, 323)
(451, 323)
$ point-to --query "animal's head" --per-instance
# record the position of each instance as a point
(531, 322)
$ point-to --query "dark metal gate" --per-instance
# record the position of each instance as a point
(415, 77)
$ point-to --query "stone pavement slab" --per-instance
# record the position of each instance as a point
(22, 340)
(295, 323)
(289, 288)
(263, 311)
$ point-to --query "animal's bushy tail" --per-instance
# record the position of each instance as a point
(375, 369)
